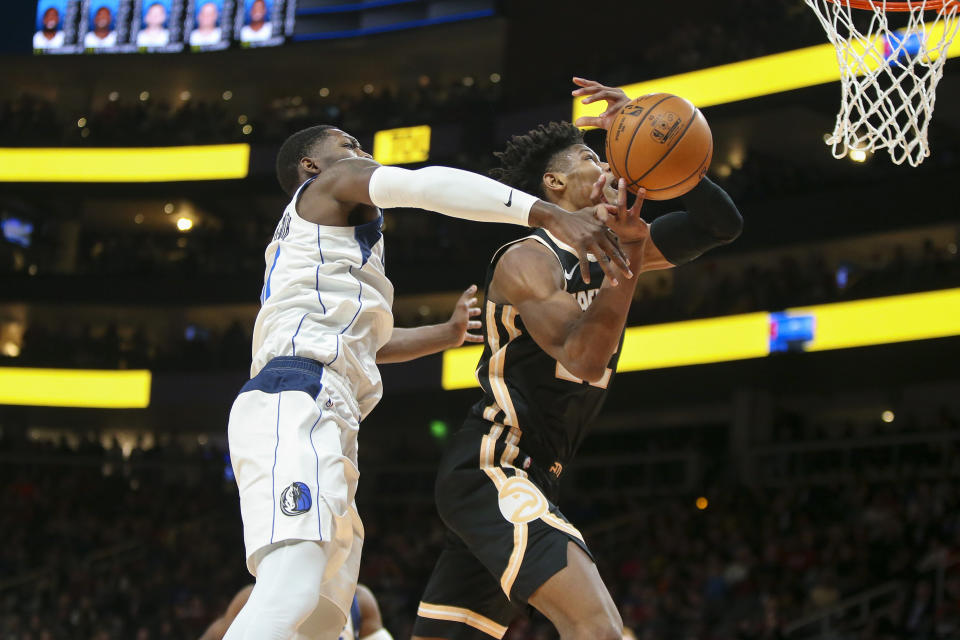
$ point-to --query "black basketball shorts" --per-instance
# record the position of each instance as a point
(505, 538)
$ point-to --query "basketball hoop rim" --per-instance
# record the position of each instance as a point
(891, 7)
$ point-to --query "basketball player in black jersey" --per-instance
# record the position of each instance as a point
(551, 347)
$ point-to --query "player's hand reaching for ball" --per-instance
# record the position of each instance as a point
(627, 223)
(616, 99)
(461, 321)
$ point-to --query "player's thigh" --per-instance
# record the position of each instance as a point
(576, 594)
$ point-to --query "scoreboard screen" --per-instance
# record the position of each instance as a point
(56, 27)
(209, 24)
(264, 23)
(159, 26)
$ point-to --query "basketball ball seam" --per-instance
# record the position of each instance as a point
(699, 166)
(693, 117)
(626, 154)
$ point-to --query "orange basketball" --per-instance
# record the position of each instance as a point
(660, 142)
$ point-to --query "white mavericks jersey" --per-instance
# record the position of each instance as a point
(326, 297)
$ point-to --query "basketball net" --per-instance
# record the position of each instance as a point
(889, 75)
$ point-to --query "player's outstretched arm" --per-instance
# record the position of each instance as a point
(410, 344)
(711, 219)
(470, 196)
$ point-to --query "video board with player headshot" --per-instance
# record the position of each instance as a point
(55, 29)
(157, 26)
(264, 23)
(209, 24)
(105, 26)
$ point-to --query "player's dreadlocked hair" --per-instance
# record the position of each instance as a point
(292, 150)
(528, 157)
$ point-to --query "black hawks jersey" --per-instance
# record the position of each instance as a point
(527, 389)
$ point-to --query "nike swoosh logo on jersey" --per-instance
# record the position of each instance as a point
(569, 274)
(509, 199)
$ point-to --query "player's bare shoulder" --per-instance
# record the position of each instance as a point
(337, 196)
(526, 269)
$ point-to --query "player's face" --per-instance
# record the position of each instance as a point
(101, 19)
(338, 145)
(583, 169)
(156, 16)
(51, 18)
(258, 11)
(207, 16)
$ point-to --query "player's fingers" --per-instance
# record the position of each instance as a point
(474, 324)
(584, 264)
(602, 214)
(470, 290)
(472, 301)
(638, 203)
(606, 264)
(613, 256)
(474, 311)
(471, 337)
(588, 121)
(596, 193)
(621, 196)
(583, 82)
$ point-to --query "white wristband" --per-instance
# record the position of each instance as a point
(379, 634)
(452, 192)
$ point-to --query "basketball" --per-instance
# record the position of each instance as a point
(660, 142)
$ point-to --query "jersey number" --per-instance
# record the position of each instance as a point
(602, 383)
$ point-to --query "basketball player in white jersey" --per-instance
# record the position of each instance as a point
(364, 623)
(324, 325)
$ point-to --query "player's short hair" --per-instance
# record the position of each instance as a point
(292, 150)
(527, 157)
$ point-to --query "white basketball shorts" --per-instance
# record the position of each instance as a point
(293, 446)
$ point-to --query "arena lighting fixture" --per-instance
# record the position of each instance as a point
(143, 164)
(95, 389)
(857, 155)
(840, 325)
(184, 224)
(402, 146)
(887, 416)
(746, 79)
